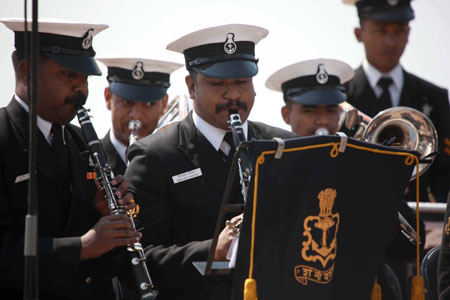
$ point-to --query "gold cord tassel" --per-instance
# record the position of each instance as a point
(376, 291)
(250, 289)
(417, 288)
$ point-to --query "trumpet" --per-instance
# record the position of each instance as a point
(321, 131)
(134, 126)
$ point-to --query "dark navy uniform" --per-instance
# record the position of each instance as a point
(178, 176)
(66, 198)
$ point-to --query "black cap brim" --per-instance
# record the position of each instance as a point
(80, 64)
(404, 15)
(389, 14)
(140, 93)
(229, 69)
(319, 97)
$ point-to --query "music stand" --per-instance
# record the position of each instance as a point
(322, 216)
(211, 267)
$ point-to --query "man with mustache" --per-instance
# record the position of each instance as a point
(74, 239)
(178, 175)
(381, 82)
(137, 91)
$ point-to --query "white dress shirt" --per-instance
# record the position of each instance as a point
(44, 126)
(120, 148)
(395, 89)
(213, 134)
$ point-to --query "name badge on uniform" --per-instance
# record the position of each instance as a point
(187, 175)
(22, 178)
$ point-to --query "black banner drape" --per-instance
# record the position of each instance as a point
(323, 217)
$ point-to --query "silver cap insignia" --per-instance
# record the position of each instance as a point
(87, 42)
(230, 46)
(322, 75)
(138, 71)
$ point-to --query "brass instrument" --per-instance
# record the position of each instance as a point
(134, 126)
(401, 127)
(321, 131)
(177, 109)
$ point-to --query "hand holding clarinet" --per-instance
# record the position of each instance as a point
(118, 228)
(229, 237)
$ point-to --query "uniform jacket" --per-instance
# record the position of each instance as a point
(63, 215)
(114, 158)
(433, 101)
(444, 258)
(423, 96)
(180, 218)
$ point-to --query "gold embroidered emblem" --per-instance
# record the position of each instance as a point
(447, 227)
(321, 244)
(134, 212)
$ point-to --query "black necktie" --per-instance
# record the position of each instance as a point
(59, 148)
(229, 139)
(385, 99)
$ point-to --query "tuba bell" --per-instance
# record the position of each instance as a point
(400, 127)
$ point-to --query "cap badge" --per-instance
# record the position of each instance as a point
(230, 46)
(322, 75)
(87, 42)
(392, 2)
(138, 71)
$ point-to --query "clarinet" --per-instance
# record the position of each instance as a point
(245, 167)
(245, 172)
(135, 252)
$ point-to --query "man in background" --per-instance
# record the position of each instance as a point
(137, 91)
(312, 91)
(381, 82)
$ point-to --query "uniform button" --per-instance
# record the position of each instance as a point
(88, 280)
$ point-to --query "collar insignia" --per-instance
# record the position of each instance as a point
(427, 108)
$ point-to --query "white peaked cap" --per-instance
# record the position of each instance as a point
(55, 26)
(149, 65)
(309, 68)
(218, 34)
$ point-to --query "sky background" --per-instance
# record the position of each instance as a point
(298, 30)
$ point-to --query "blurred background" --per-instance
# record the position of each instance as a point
(298, 30)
